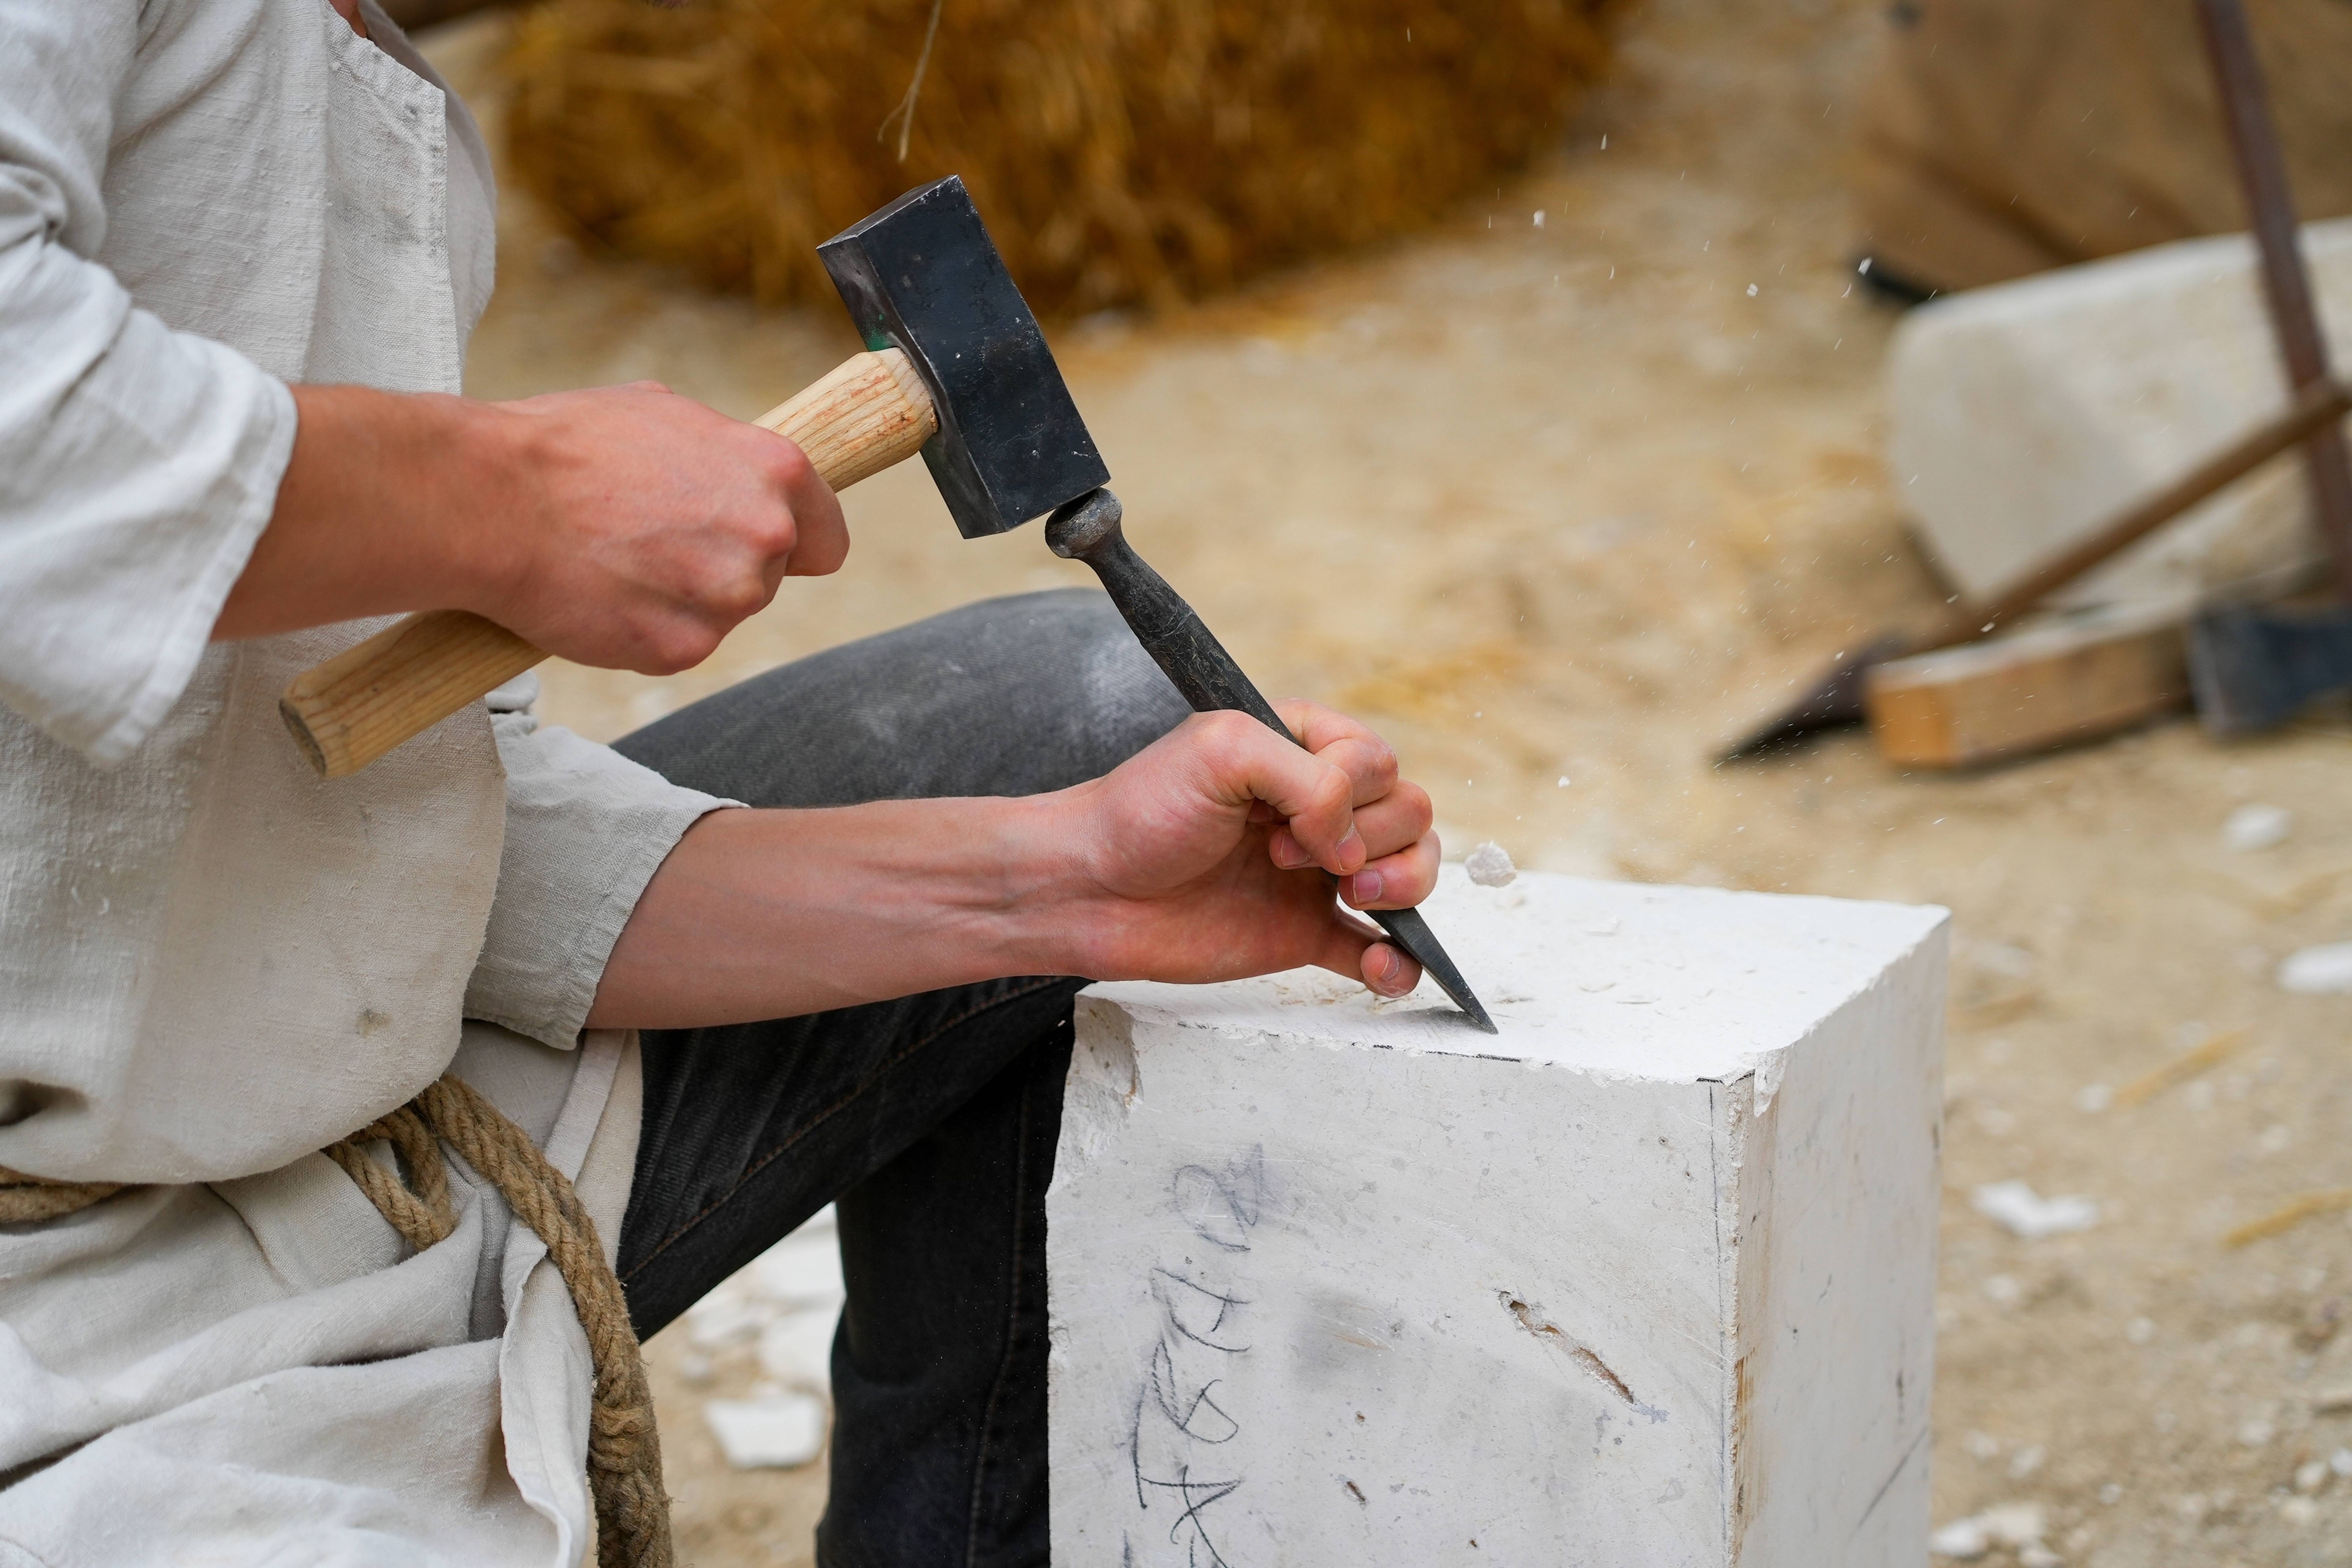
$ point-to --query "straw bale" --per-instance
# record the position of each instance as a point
(1122, 151)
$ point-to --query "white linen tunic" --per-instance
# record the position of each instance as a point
(212, 963)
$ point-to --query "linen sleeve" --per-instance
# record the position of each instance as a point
(586, 829)
(137, 464)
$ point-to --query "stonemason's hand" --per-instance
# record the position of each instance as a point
(1208, 856)
(1208, 853)
(626, 527)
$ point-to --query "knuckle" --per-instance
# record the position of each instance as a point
(789, 468)
(779, 535)
(1335, 791)
(739, 597)
(675, 648)
(1226, 731)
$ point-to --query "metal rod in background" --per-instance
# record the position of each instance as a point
(2286, 285)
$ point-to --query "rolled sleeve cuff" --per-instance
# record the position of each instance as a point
(249, 491)
(586, 830)
(138, 468)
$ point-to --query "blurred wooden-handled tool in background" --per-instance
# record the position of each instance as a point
(2253, 666)
(873, 411)
(1836, 697)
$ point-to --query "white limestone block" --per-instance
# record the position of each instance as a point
(2021, 416)
(1646, 1280)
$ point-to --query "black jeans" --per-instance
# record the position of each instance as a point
(930, 1120)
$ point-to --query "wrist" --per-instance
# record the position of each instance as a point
(484, 459)
(1052, 910)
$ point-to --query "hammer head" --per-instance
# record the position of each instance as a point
(923, 275)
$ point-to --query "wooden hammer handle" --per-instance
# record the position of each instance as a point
(871, 412)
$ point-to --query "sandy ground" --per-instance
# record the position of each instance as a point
(1560, 505)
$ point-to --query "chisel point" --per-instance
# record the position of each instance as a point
(1411, 933)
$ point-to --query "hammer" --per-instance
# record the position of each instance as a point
(956, 366)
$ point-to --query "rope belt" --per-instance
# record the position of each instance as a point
(26, 1200)
(623, 1449)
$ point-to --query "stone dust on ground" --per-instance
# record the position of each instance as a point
(1560, 504)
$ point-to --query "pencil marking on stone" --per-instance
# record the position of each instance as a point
(1176, 1407)
(1222, 1205)
(1187, 1302)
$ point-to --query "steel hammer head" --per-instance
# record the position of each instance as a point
(922, 275)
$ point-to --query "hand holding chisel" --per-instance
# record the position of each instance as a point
(1088, 530)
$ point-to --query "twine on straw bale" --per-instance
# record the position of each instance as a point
(1123, 151)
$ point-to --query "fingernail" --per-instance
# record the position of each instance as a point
(1384, 964)
(1289, 854)
(1366, 887)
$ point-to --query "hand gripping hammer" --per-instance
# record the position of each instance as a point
(956, 365)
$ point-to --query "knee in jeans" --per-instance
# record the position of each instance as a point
(1011, 696)
(1096, 672)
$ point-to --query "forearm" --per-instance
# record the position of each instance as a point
(621, 526)
(770, 914)
(1210, 855)
(371, 513)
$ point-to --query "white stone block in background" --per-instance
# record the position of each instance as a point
(1647, 1281)
(2021, 416)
